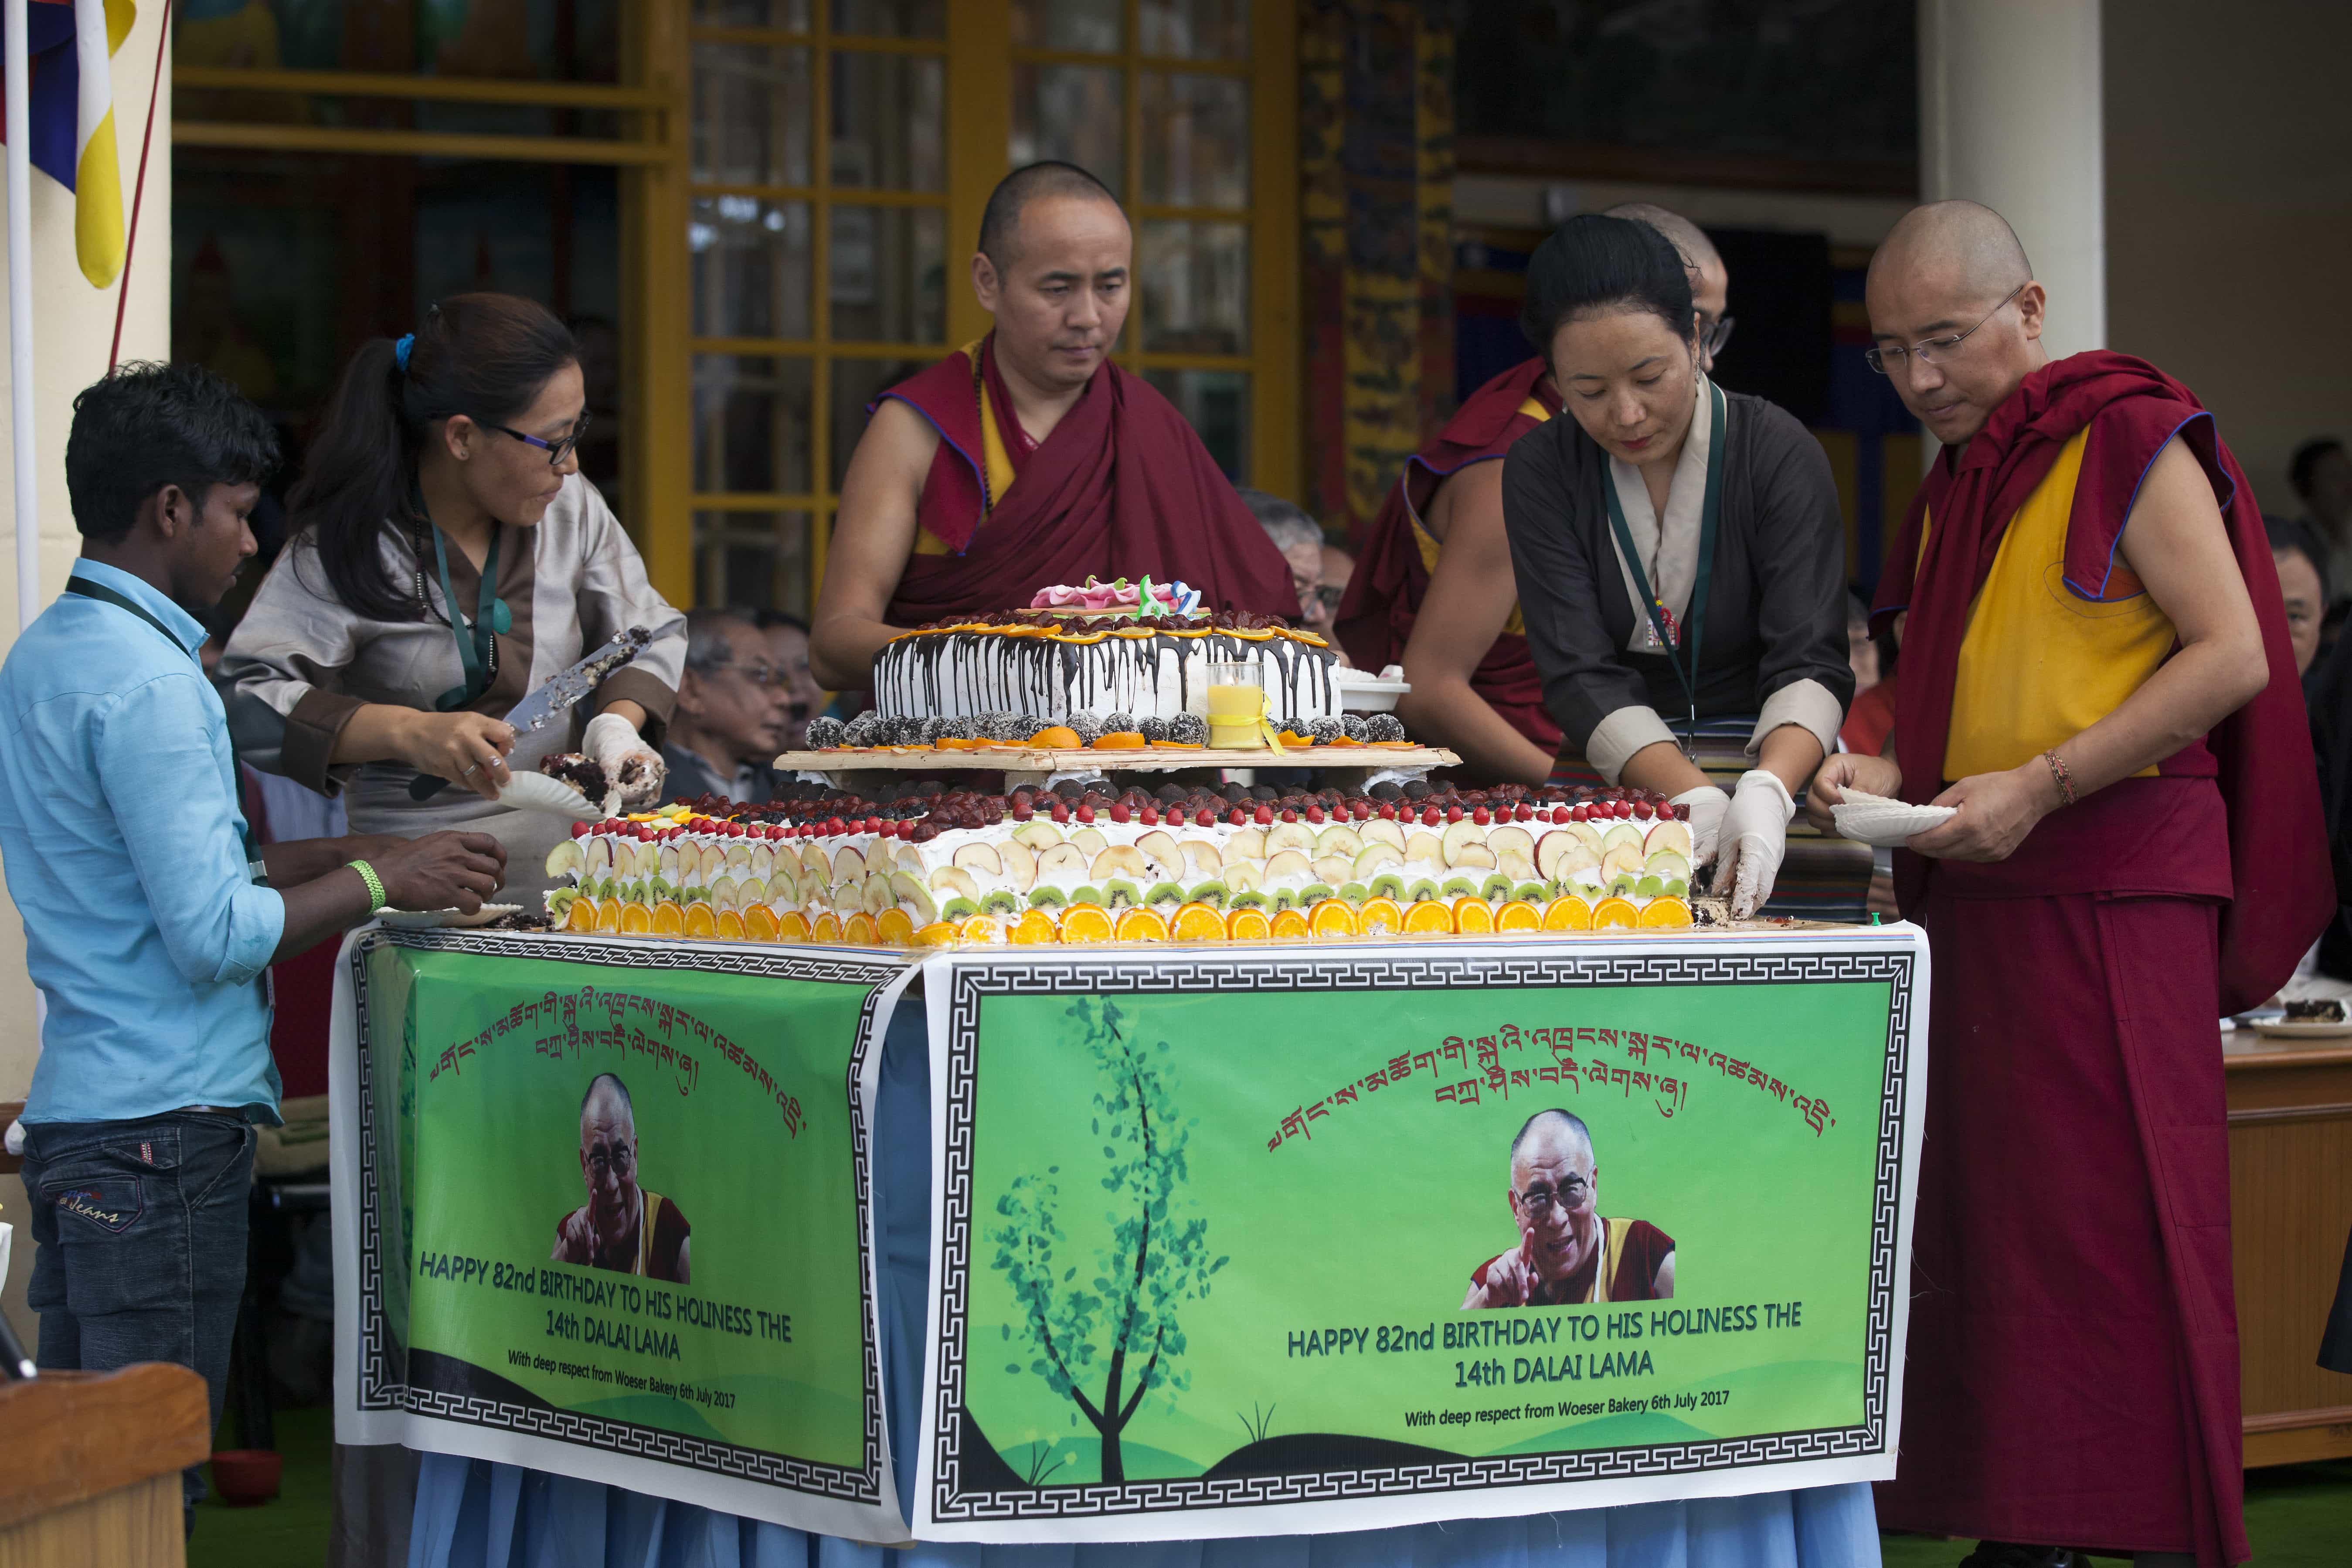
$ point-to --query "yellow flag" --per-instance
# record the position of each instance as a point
(99, 28)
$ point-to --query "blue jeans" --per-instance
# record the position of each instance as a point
(139, 1229)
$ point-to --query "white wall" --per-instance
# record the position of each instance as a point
(73, 327)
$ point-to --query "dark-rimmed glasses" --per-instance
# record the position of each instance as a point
(1713, 335)
(1571, 1193)
(1932, 351)
(556, 450)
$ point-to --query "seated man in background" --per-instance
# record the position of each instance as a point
(1323, 616)
(1433, 590)
(788, 655)
(2302, 562)
(1028, 458)
(729, 723)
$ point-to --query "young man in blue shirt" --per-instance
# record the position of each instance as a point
(151, 918)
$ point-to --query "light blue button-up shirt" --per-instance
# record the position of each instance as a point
(124, 851)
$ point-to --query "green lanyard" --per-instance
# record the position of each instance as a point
(476, 652)
(83, 587)
(1710, 515)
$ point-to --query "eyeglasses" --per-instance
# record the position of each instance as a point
(1569, 1194)
(1934, 351)
(623, 1159)
(556, 450)
(1713, 335)
(1330, 597)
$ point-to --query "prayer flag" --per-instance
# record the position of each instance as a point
(71, 119)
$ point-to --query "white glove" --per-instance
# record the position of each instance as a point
(1707, 804)
(632, 770)
(1755, 836)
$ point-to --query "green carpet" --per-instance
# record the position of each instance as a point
(2299, 1516)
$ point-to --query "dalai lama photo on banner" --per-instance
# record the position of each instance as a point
(624, 1227)
(1568, 1254)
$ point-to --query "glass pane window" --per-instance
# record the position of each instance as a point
(1075, 113)
(891, 19)
(1215, 403)
(751, 263)
(1091, 26)
(1196, 147)
(793, 15)
(1194, 30)
(1193, 278)
(751, 423)
(753, 560)
(887, 128)
(889, 268)
(751, 115)
(856, 383)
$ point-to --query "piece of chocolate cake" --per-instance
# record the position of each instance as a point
(583, 773)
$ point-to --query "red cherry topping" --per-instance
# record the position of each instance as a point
(1525, 813)
(1086, 813)
(1119, 812)
(1175, 816)
(1562, 813)
(1432, 816)
(1580, 812)
(582, 829)
(1452, 814)
(835, 824)
(1061, 811)
(1237, 816)
(1151, 816)
(1022, 810)
(1481, 817)
(1264, 815)
(1314, 814)
(1388, 810)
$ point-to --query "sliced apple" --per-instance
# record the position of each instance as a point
(1577, 862)
(879, 894)
(1669, 864)
(724, 894)
(1621, 859)
(1166, 855)
(1458, 834)
(1335, 869)
(1674, 836)
(1623, 833)
(1089, 839)
(1289, 836)
(912, 894)
(980, 857)
(1019, 864)
(1203, 857)
(1511, 863)
(1419, 846)
(1373, 857)
(955, 879)
(763, 860)
(1338, 841)
(1039, 836)
(1246, 844)
(847, 898)
(1476, 855)
(565, 859)
(1062, 864)
(1243, 877)
(752, 891)
(1383, 831)
(817, 864)
(1286, 863)
(1511, 840)
(1117, 860)
(783, 887)
(738, 855)
(848, 865)
(597, 857)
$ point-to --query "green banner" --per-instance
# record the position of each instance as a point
(627, 1193)
(1466, 1232)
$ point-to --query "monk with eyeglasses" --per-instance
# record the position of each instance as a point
(1568, 1254)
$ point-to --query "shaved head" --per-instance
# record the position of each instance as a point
(1552, 1124)
(1000, 221)
(1698, 251)
(1965, 246)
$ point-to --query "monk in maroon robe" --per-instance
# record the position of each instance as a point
(1568, 1254)
(2096, 675)
(1029, 459)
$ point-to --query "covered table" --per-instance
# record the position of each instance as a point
(1016, 1246)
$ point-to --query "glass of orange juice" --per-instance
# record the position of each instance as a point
(1236, 706)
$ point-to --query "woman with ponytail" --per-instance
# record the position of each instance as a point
(446, 559)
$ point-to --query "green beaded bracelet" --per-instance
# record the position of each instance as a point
(376, 900)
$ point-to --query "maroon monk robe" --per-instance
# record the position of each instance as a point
(2072, 1370)
(1384, 596)
(1120, 487)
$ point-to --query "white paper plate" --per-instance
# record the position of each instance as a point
(2303, 1029)
(1886, 824)
(1362, 692)
(529, 790)
(430, 919)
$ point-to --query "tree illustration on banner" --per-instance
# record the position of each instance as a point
(1107, 1344)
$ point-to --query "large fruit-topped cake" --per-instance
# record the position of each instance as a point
(1138, 649)
(1077, 863)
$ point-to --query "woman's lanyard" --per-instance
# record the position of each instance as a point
(1661, 620)
(478, 649)
(84, 588)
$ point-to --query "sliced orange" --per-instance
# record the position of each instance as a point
(1615, 912)
(1518, 915)
(825, 928)
(1330, 918)
(702, 919)
(760, 923)
(1472, 916)
(1086, 923)
(1665, 912)
(939, 934)
(1378, 917)
(858, 930)
(1141, 923)
(581, 916)
(792, 926)
(1248, 924)
(894, 927)
(981, 928)
(951, 743)
(1035, 929)
(1056, 735)
(1430, 917)
(730, 925)
(1198, 922)
(635, 919)
(608, 916)
(1293, 738)
(1567, 912)
(1291, 925)
(670, 919)
(1121, 740)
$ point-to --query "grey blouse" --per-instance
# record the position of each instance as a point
(302, 663)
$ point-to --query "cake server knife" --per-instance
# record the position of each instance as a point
(562, 691)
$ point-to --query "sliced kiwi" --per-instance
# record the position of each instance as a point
(1676, 888)
(1164, 893)
(1459, 887)
(1249, 898)
(559, 902)
(1314, 892)
(1530, 892)
(1650, 887)
(1002, 901)
(1388, 885)
(1212, 892)
(1281, 898)
(1496, 887)
(1117, 893)
(1422, 890)
(1354, 893)
(1045, 896)
(958, 909)
(1088, 895)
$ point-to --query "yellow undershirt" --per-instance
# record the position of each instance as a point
(993, 454)
(2040, 663)
(1431, 549)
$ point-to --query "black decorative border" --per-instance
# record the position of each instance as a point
(1392, 969)
(383, 1383)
